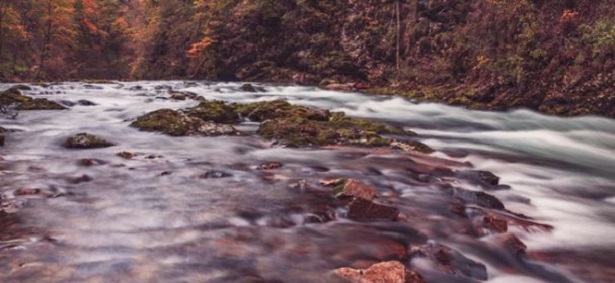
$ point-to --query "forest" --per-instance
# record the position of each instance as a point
(333, 141)
(552, 56)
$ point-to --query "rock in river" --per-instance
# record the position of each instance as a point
(86, 141)
(14, 97)
(175, 123)
(365, 210)
(384, 272)
(358, 189)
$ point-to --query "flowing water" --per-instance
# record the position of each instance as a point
(97, 217)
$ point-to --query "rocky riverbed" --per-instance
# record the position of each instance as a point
(177, 181)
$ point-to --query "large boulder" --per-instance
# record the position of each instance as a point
(14, 97)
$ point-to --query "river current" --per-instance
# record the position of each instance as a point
(154, 218)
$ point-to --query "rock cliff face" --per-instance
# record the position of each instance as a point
(549, 55)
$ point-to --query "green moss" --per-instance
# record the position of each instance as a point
(299, 131)
(215, 111)
(175, 123)
(340, 120)
(166, 121)
(265, 110)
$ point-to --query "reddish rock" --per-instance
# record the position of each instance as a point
(357, 189)
(384, 272)
(365, 210)
(494, 224)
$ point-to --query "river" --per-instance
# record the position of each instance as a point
(154, 218)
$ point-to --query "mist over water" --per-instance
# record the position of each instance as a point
(134, 223)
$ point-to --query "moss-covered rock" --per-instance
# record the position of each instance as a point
(287, 124)
(86, 141)
(166, 121)
(265, 110)
(175, 123)
(413, 146)
(215, 111)
(14, 97)
(298, 131)
(298, 126)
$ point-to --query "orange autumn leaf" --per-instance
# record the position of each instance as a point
(198, 47)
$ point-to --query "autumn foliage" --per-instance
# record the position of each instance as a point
(488, 54)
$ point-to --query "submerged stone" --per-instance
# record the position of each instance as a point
(451, 261)
(182, 95)
(126, 155)
(365, 210)
(479, 198)
(251, 88)
(215, 174)
(86, 141)
(269, 166)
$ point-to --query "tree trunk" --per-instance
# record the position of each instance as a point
(398, 20)
(3, 10)
(47, 38)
